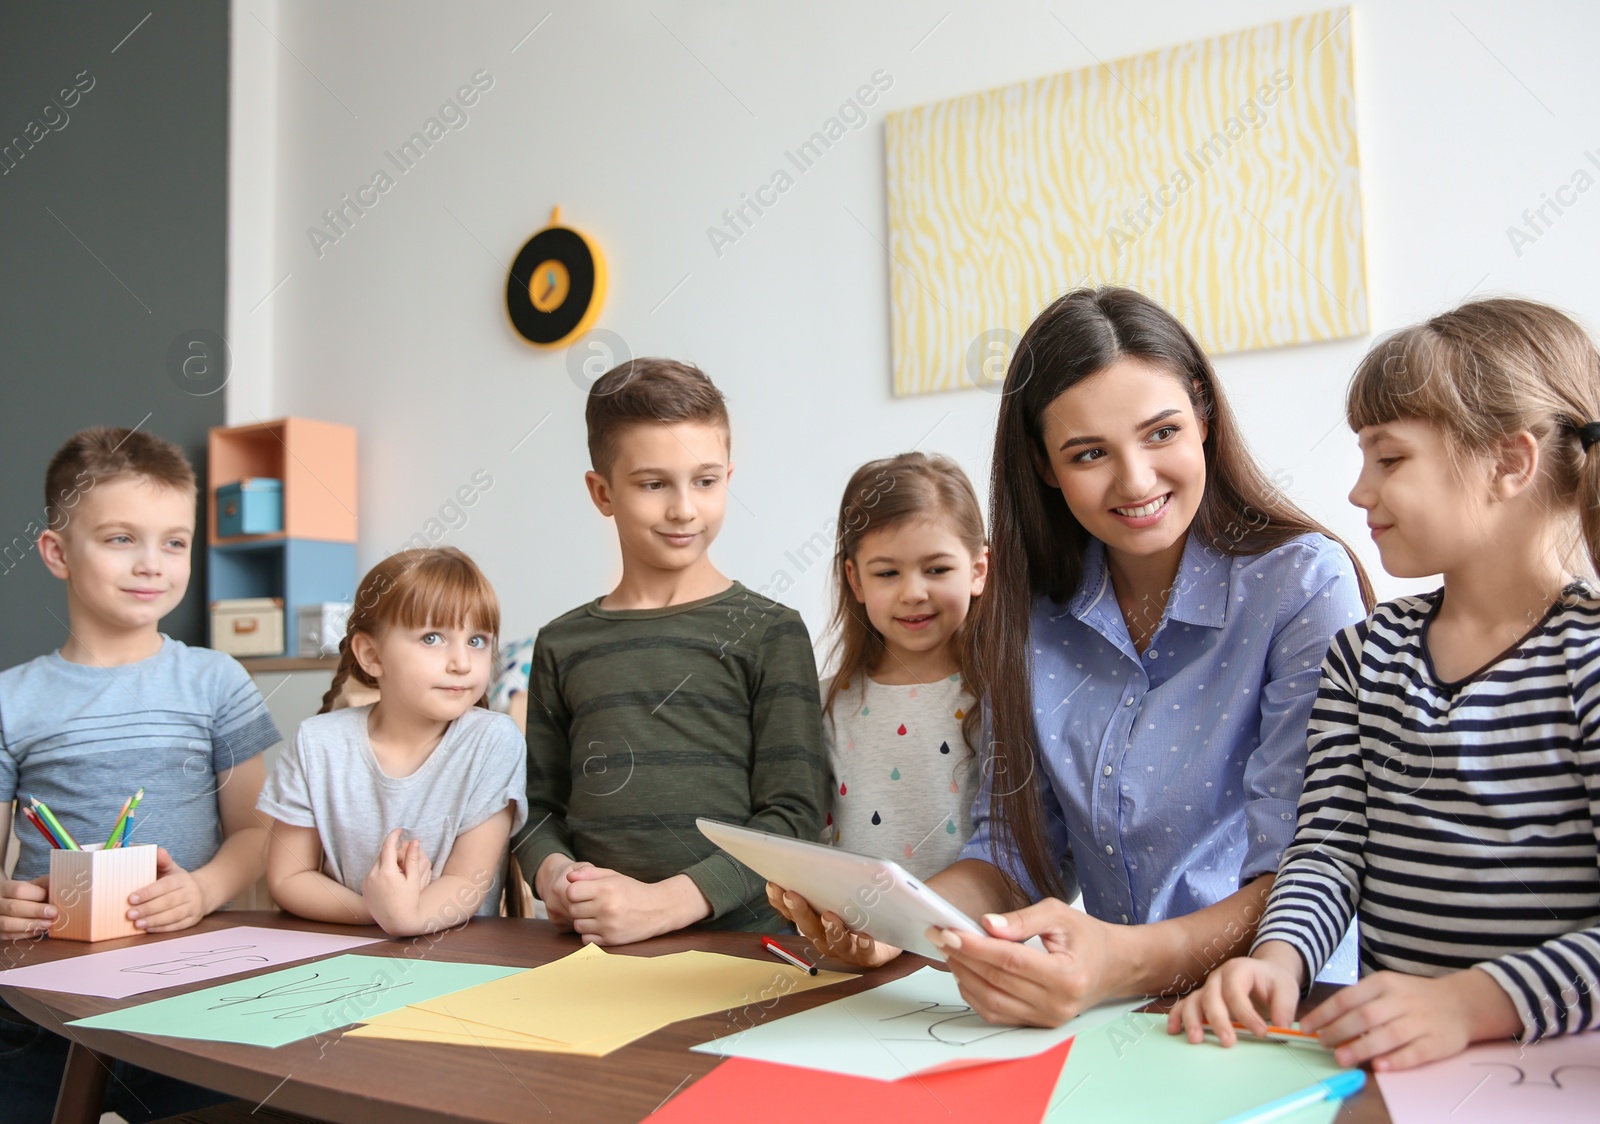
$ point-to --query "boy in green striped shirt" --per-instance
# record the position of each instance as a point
(678, 694)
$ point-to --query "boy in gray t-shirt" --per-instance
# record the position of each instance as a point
(120, 707)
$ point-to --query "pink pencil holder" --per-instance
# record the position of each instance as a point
(90, 889)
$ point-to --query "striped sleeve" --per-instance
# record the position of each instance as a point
(1554, 985)
(1317, 890)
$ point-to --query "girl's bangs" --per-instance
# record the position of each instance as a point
(1405, 376)
(443, 592)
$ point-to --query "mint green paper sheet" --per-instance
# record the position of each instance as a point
(285, 1006)
(1132, 1071)
(904, 1027)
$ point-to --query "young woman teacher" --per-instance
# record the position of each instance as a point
(1151, 641)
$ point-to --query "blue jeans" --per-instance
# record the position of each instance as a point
(32, 1060)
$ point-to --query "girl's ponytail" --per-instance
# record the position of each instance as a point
(1588, 491)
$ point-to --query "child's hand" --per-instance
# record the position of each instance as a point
(1258, 991)
(25, 909)
(393, 887)
(611, 908)
(828, 933)
(550, 884)
(1397, 1021)
(175, 900)
(414, 862)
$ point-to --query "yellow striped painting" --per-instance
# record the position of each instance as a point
(1220, 177)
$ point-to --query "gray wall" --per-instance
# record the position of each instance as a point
(113, 228)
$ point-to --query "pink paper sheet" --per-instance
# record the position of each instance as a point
(156, 963)
(1556, 1081)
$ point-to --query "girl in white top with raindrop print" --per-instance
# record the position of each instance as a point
(897, 713)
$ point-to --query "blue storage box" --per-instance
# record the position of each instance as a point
(250, 507)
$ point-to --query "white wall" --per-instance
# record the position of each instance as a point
(644, 121)
(254, 145)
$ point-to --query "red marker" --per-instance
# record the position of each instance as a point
(784, 954)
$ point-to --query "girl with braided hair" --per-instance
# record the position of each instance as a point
(371, 801)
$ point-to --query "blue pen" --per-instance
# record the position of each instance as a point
(1335, 1088)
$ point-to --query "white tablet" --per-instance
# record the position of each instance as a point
(873, 896)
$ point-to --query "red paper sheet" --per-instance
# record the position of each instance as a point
(740, 1090)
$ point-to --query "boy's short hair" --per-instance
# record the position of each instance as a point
(99, 455)
(648, 390)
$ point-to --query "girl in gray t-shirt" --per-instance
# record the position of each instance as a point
(398, 813)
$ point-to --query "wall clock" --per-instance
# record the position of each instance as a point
(556, 285)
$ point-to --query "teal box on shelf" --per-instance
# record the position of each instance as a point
(250, 507)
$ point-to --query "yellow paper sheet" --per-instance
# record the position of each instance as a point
(430, 1023)
(414, 1018)
(592, 995)
(475, 1034)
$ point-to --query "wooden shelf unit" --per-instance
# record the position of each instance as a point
(316, 461)
(313, 559)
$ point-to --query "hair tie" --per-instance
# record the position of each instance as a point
(1589, 435)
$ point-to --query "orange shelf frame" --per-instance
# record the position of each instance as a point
(316, 461)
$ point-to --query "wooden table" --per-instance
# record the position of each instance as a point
(362, 1080)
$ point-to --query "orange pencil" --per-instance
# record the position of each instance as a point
(1287, 1035)
(119, 830)
(116, 825)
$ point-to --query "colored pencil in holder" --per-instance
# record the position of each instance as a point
(120, 829)
(44, 829)
(116, 825)
(60, 832)
(122, 833)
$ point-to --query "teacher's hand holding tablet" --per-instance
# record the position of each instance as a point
(1040, 965)
(1042, 982)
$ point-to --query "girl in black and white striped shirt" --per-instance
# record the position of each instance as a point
(1452, 795)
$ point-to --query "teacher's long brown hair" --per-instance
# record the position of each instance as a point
(1037, 545)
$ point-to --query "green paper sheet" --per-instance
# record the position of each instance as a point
(1132, 1071)
(295, 1003)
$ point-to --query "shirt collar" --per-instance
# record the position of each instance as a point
(1199, 597)
(1094, 583)
(1202, 590)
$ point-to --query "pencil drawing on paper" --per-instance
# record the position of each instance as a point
(201, 958)
(949, 1024)
(1553, 1080)
(330, 993)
